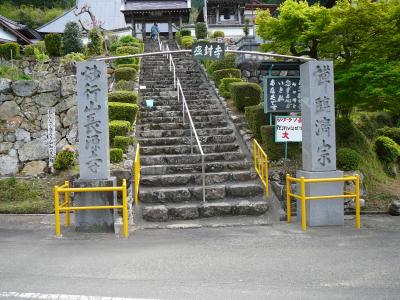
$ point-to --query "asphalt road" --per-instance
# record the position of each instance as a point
(257, 262)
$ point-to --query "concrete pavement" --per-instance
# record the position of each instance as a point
(256, 262)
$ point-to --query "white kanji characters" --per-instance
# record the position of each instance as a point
(208, 50)
(218, 51)
(198, 51)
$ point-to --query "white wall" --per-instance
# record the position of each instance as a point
(5, 35)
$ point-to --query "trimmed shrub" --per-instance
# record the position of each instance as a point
(126, 39)
(245, 94)
(124, 85)
(226, 73)
(7, 48)
(72, 58)
(201, 30)
(123, 142)
(187, 42)
(391, 132)
(123, 97)
(41, 46)
(116, 155)
(218, 34)
(126, 60)
(348, 159)
(122, 111)
(124, 50)
(135, 66)
(53, 42)
(178, 37)
(229, 62)
(387, 149)
(255, 117)
(95, 45)
(185, 32)
(224, 86)
(118, 127)
(72, 38)
(125, 74)
(64, 160)
(276, 151)
(29, 50)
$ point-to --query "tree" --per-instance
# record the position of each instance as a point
(72, 38)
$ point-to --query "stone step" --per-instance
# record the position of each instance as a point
(186, 149)
(193, 210)
(177, 113)
(190, 158)
(173, 126)
(171, 141)
(177, 107)
(178, 179)
(182, 133)
(195, 193)
(195, 119)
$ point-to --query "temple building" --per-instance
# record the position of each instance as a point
(11, 31)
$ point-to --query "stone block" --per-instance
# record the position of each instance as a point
(8, 110)
(215, 209)
(8, 165)
(46, 99)
(251, 208)
(5, 85)
(33, 150)
(34, 168)
(49, 85)
(156, 213)
(25, 88)
(183, 212)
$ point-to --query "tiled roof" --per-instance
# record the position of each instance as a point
(147, 5)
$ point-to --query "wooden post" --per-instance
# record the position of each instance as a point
(170, 34)
(133, 27)
(144, 30)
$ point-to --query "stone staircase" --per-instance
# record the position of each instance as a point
(171, 181)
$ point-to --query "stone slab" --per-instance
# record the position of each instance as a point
(322, 212)
(95, 220)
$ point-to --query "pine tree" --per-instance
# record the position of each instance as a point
(72, 38)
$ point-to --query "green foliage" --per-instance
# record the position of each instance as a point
(123, 142)
(187, 42)
(370, 122)
(135, 66)
(218, 34)
(123, 97)
(127, 74)
(122, 111)
(228, 62)
(53, 42)
(9, 49)
(226, 73)
(125, 50)
(64, 160)
(127, 39)
(29, 50)
(245, 94)
(387, 150)
(178, 37)
(185, 32)
(116, 155)
(124, 85)
(72, 58)
(12, 73)
(224, 90)
(95, 45)
(255, 117)
(393, 133)
(118, 127)
(348, 159)
(72, 38)
(246, 28)
(201, 30)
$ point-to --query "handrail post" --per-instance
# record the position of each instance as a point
(203, 169)
(266, 176)
(303, 204)
(125, 209)
(288, 200)
(67, 200)
(57, 211)
(191, 139)
(358, 221)
(255, 154)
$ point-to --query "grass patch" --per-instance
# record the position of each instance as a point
(18, 196)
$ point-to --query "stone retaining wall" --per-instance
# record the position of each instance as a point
(23, 121)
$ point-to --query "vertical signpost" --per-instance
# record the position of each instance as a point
(319, 143)
(51, 136)
(93, 146)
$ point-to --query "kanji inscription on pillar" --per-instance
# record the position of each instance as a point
(93, 120)
(318, 111)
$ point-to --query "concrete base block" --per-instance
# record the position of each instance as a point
(322, 212)
(95, 220)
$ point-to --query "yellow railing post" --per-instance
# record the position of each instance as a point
(358, 219)
(303, 204)
(288, 202)
(266, 178)
(136, 175)
(125, 209)
(255, 154)
(57, 211)
(68, 204)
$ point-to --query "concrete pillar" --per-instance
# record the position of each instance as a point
(133, 24)
(144, 30)
(170, 34)
(180, 21)
(239, 15)
(217, 15)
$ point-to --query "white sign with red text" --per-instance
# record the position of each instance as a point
(288, 129)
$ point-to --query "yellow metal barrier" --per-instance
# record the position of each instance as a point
(261, 165)
(303, 198)
(136, 172)
(66, 205)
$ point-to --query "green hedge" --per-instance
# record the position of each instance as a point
(245, 94)
(122, 111)
(224, 86)
(256, 118)
(348, 159)
(118, 127)
(53, 42)
(124, 50)
(5, 50)
(218, 34)
(127, 39)
(226, 73)
(64, 160)
(123, 96)
(228, 62)
(390, 132)
(187, 42)
(135, 66)
(201, 30)
(29, 50)
(127, 61)
(124, 85)
(387, 149)
(123, 142)
(185, 32)
(276, 151)
(116, 155)
(178, 37)
(125, 74)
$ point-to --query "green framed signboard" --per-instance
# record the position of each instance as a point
(281, 94)
(208, 51)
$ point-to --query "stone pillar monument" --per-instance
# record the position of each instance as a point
(319, 144)
(94, 158)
